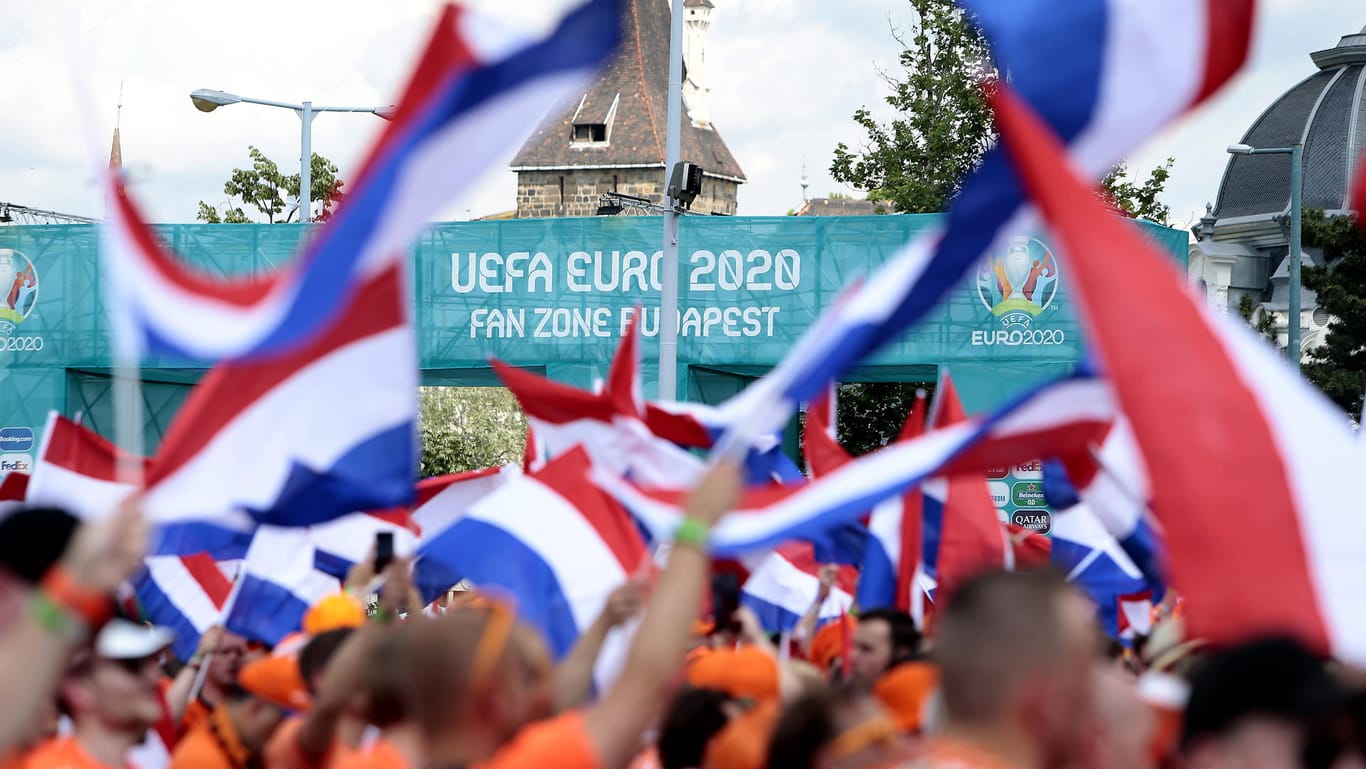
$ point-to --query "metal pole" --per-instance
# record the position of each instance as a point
(306, 164)
(668, 300)
(1296, 190)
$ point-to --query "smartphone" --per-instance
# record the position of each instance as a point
(384, 550)
(725, 599)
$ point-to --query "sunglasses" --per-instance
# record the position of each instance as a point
(136, 665)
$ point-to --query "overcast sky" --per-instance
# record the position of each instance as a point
(786, 76)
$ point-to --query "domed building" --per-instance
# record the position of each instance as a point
(1239, 258)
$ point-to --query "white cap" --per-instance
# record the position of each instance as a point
(121, 639)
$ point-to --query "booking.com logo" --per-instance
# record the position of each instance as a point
(15, 439)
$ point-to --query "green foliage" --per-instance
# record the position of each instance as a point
(918, 160)
(1339, 366)
(468, 428)
(1139, 201)
(1264, 325)
(870, 414)
(274, 194)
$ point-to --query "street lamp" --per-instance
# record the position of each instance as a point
(208, 100)
(1296, 153)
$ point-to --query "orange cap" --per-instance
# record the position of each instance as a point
(707, 668)
(751, 673)
(277, 680)
(828, 643)
(338, 610)
(904, 690)
(743, 743)
(748, 672)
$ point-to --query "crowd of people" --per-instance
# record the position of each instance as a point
(1012, 672)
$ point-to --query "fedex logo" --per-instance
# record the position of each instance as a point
(15, 463)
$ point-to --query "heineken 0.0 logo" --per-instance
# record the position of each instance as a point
(1027, 494)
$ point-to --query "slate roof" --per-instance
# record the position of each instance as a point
(635, 81)
(843, 207)
(1327, 112)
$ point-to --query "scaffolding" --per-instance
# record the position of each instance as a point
(13, 213)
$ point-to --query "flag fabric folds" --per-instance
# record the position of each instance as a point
(468, 100)
(785, 583)
(549, 539)
(1066, 413)
(301, 438)
(184, 593)
(1275, 458)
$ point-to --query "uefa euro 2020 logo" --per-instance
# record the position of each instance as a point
(1021, 284)
(18, 289)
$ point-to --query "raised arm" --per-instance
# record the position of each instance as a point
(636, 700)
(574, 676)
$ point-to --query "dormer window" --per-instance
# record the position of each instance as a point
(585, 133)
(591, 125)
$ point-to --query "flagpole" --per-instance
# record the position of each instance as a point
(223, 613)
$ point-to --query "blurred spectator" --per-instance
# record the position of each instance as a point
(905, 691)
(883, 638)
(1268, 704)
(840, 727)
(111, 695)
(1016, 653)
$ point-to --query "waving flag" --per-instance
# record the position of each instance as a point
(785, 584)
(550, 541)
(1105, 75)
(1091, 558)
(184, 593)
(77, 470)
(301, 438)
(1252, 468)
(1063, 415)
(971, 537)
(1114, 487)
(278, 583)
(475, 93)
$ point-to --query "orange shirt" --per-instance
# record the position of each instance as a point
(379, 755)
(196, 713)
(283, 752)
(560, 742)
(61, 753)
(212, 745)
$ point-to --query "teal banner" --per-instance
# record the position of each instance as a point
(556, 294)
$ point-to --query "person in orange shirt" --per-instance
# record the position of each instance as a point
(111, 695)
(225, 662)
(905, 691)
(1017, 654)
(232, 737)
(483, 690)
(838, 727)
(882, 639)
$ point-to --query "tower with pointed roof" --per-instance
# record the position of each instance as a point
(611, 137)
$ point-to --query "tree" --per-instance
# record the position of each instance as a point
(1139, 201)
(1265, 324)
(869, 415)
(919, 159)
(275, 194)
(468, 428)
(1338, 367)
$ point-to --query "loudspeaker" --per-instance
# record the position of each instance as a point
(685, 183)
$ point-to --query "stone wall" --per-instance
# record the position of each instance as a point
(576, 192)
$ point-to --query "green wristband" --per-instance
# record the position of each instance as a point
(693, 533)
(54, 618)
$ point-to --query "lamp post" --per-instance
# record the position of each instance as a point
(208, 100)
(1296, 153)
